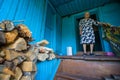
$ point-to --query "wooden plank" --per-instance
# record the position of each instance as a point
(90, 58)
(94, 69)
(102, 58)
(28, 66)
(70, 57)
(95, 52)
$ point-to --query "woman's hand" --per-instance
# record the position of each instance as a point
(80, 32)
(80, 29)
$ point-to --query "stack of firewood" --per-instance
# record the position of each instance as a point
(17, 56)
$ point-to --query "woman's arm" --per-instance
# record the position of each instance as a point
(96, 23)
(80, 27)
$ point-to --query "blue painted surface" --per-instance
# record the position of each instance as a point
(68, 34)
(59, 35)
(107, 13)
(50, 26)
(46, 70)
(31, 11)
(68, 7)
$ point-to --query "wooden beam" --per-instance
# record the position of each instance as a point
(90, 58)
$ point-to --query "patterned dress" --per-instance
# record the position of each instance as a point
(88, 36)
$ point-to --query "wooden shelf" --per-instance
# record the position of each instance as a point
(90, 58)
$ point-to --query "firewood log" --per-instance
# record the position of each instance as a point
(2, 38)
(18, 73)
(26, 78)
(28, 66)
(10, 55)
(19, 45)
(2, 54)
(2, 60)
(33, 75)
(10, 65)
(1, 67)
(32, 53)
(42, 43)
(8, 25)
(24, 31)
(42, 57)
(11, 36)
(8, 71)
(2, 26)
(19, 60)
(5, 77)
(45, 50)
(51, 56)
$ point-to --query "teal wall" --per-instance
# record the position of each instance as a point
(37, 16)
(68, 34)
(46, 70)
(111, 14)
(52, 32)
(107, 13)
(31, 11)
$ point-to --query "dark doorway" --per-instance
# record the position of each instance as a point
(98, 46)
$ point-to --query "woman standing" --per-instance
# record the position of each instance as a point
(87, 32)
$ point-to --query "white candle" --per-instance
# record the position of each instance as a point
(69, 51)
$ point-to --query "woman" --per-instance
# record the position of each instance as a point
(87, 32)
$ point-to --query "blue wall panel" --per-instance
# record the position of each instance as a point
(50, 26)
(58, 35)
(107, 13)
(110, 14)
(68, 34)
(46, 70)
(28, 10)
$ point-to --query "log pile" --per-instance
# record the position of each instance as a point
(18, 57)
